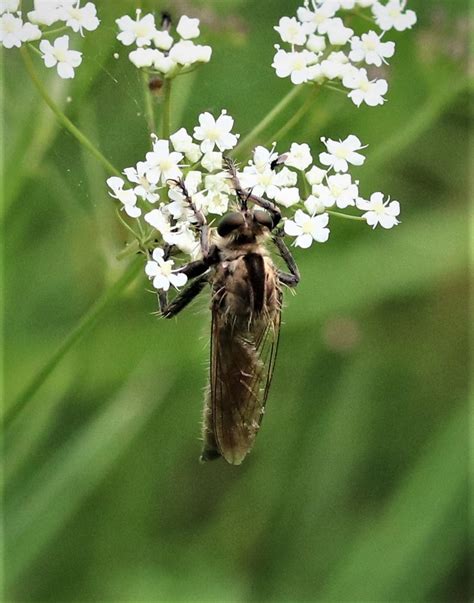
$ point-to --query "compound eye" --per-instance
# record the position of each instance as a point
(229, 223)
(263, 218)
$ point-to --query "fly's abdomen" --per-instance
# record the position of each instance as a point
(245, 324)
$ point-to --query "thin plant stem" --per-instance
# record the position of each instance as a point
(339, 214)
(149, 110)
(248, 141)
(166, 110)
(51, 32)
(335, 88)
(84, 326)
(61, 117)
(294, 119)
(356, 13)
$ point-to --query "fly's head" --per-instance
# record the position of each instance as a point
(245, 226)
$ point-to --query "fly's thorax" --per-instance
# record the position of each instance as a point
(245, 285)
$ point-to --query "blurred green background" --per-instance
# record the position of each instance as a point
(357, 488)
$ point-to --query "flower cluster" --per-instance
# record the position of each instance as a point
(324, 49)
(185, 176)
(157, 50)
(14, 31)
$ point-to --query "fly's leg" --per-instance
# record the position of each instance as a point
(293, 277)
(184, 297)
(210, 257)
(201, 224)
(193, 270)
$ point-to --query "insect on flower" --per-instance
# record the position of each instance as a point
(246, 308)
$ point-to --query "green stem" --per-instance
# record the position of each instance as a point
(85, 324)
(149, 110)
(166, 116)
(336, 89)
(245, 144)
(362, 16)
(294, 119)
(339, 214)
(51, 32)
(65, 121)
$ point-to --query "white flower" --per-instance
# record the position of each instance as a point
(30, 32)
(188, 28)
(216, 203)
(315, 175)
(59, 55)
(364, 90)
(185, 239)
(186, 52)
(297, 65)
(141, 31)
(80, 18)
(335, 65)
(291, 31)
(192, 181)
(262, 181)
(287, 177)
(299, 156)
(162, 164)
(341, 153)
(217, 183)
(193, 153)
(126, 197)
(314, 205)
(307, 229)
(315, 20)
(378, 212)
(337, 32)
(162, 39)
(316, 43)
(160, 222)
(393, 15)
(181, 140)
(46, 12)
(162, 63)
(13, 31)
(212, 161)
(203, 53)
(366, 3)
(346, 4)
(263, 158)
(161, 271)
(144, 189)
(339, 191)
(9, 6)
(371, 49)
(215, 132)
(287, 196)
(143, 57)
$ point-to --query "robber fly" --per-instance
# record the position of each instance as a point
(246, 309)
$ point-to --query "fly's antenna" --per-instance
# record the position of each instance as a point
(231, 167)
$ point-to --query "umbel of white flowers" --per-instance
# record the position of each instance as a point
(157, 50)
(148, 190)
(15, 30)
(323, 49)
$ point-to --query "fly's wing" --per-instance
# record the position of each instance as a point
(242, 363)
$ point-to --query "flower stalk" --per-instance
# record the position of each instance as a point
(166, 114)
(85, 325)
(61, 117)
(246, 143)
